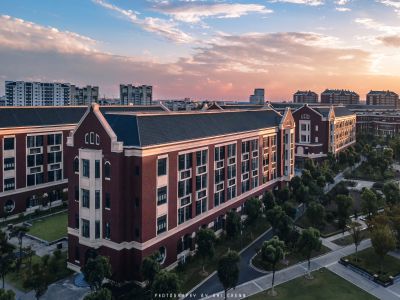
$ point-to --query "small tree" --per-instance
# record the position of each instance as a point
(96, 270)
(383, 241)
(316, 214)
(37, 279)
(344, 204)
(205, 245)
(252, 208)
(272, 251)
(101, 294)
(6, 255)
(308, 243)
(228, 270)
(274, 216)
(164, 283)
(19, 232)
(232, 224)
(150, 267)
(392, 193)
(7, 294)
(369, 203)
(356, 235)
(268, 200)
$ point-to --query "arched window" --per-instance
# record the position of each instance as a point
(92, 138)
(97, 139)
(76, 164)
(9, 206)
(87, 138)
(107, 232)
(107, 169)
(162, 255)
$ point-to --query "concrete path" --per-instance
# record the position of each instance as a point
(263, 283)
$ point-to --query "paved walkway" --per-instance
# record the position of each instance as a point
(263, 283)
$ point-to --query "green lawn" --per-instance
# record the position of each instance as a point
(348, 239)
(190, 273)
(368, 260)
(291, 259)
(325, 286)
(328, 230)
(50, 228)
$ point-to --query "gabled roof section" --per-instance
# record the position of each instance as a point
(141, 130)
(342, 111)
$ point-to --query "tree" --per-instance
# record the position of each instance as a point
(101, 294)
(272, 251)
(252, 207)
(295, 183)
(232, 224)
(316, 214)
(7, 294)
(283, 195)
(274, 216)
(19, 232)
(228, 270)
(369, 203)
(308, 243)
(321, 181)
(205, 245)
(392, 193)
(150, 267)
(383, 241)
(344, 204)
(166, 282)
(356, 235)
(6, 255)
(38, 278)
(268, 200)
(96, 270)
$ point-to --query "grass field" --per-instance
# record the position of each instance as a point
(348, 239)
(50, 228)
(325, 285)
(368, 260)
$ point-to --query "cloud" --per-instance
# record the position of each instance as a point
(391, 3)
(342, 9)
(23, 35)
(228, 67)
(194, 12)
(391, 40)
(162, 27)
(305, 2)
(378, 26)
(341, 4)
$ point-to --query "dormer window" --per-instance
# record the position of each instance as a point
(87, 138)
(92, 138)
(97, 139)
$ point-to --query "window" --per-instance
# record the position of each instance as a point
(219, 153)
(54, 139)
(97, 230)
(76, 193)
(97, 169)
(201, 206)
(85, 198)
(245, 147)
(219, 175)
(231, 150)
(201, 157)
(162, 167)
(219, 198)
(185, 161)
(107, 170)
(97, 199)
(201, 182)
(108, 201)
(87, 138)
(185, 187)
(86, 168)
(9, 143)
(162, 195)
(162, 224)
(184, 213)
(107, 233)
(76, 165)
(9, 206)
(9, 163)
(33, 141)
(97, 139)
(92, 138)
(9, 184)
(316, 139)
(76, 221)
(85, 228)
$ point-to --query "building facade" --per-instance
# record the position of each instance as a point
(380, 122)
(343, 97)
(320, 130)
(136, 95)
(132, 193)
(21, 93)
(85, 95)
(258, 97)
(305, 97)
(388, 98)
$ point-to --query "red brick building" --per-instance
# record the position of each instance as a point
(32, 151)
(323, 129)
(140, 183)
(305, 97)
(387, 98)
(344, 97)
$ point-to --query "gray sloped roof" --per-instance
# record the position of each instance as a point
(57, 115)
(341, 111)
(324, 111)
(143, 130)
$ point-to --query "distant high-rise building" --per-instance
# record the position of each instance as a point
(85, 95)
(305, 97)
(258, 97)
(344, 97)
(388, 98)
(137, 95)
(21, 93)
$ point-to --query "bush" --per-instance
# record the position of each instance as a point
(378, 185)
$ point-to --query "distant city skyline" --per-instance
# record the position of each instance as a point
(216, 50)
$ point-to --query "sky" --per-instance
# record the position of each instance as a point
(204, 49)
